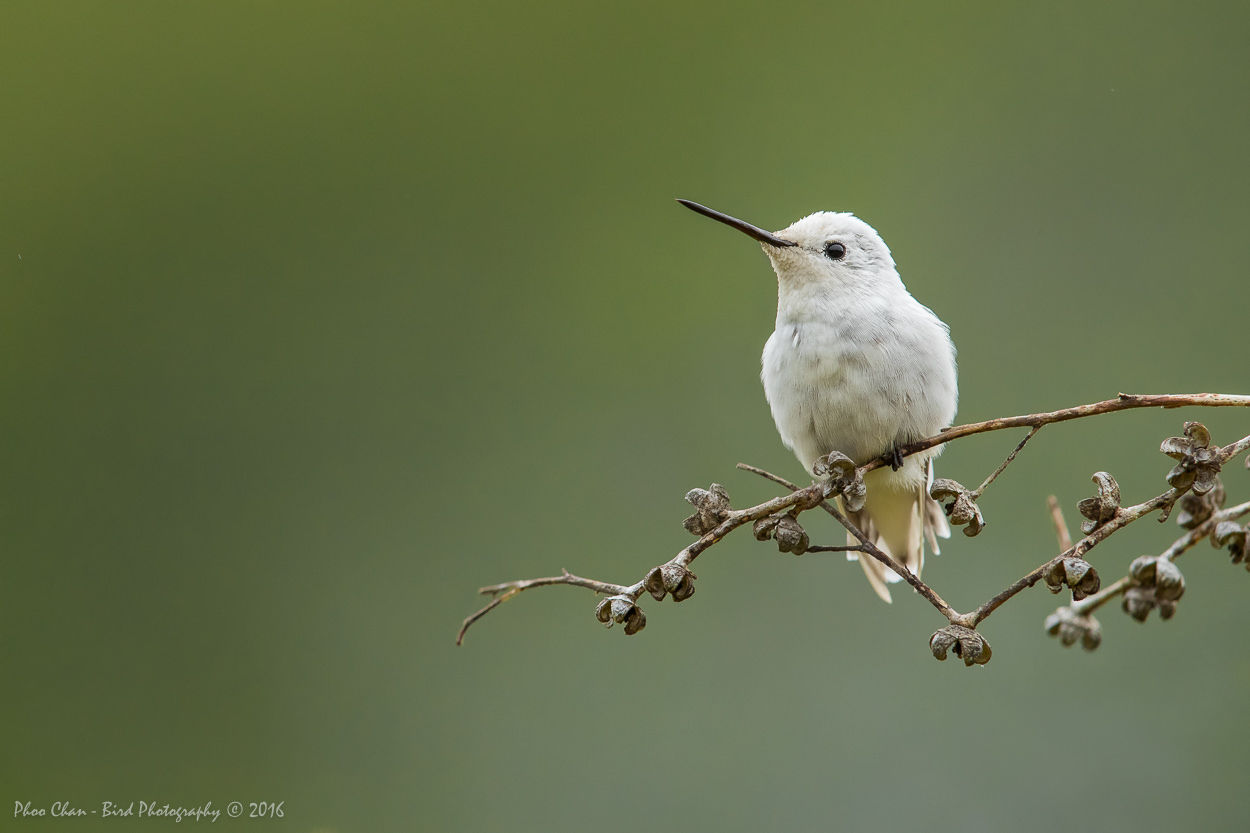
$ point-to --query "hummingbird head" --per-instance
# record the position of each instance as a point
(826, 249)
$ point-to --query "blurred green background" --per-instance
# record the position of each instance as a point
(318, 316)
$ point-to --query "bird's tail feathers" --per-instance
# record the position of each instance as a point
(874, 570)
(900, 522)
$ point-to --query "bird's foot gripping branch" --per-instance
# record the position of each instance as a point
(1195, 490)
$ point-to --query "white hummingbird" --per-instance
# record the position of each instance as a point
(857, 365)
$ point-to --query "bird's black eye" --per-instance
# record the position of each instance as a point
(835, 250)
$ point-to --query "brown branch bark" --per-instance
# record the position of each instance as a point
(1123, 402)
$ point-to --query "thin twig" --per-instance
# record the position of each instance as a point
(846, 548)
(473, 617)
(508, 589)
(767, 475)
(1061, 526)
(977, 493)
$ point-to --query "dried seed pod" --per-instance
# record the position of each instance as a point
(854, 495)
(1081, 576)
(1234, 537)
(1196, 509)
(844, 479)
(1198, 434)
(790, 536)
(1092, 637)
(670, 579)
(1138, 602)
(635, 622)
(621, 609)
(1142, 570)
(1104, 506)
(1160, 577)
(763, 528)
(1198, 464)
(1072, 627)
(712, 499)
(959, 505)
(711, 507)
(1054, 578)
(1076, 573)
(966, 644)
(835, 464)
(1169, 583)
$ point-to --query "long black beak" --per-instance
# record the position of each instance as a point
(741, 225)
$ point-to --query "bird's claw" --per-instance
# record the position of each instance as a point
(896, 459)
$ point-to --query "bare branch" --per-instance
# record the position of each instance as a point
(1123, 402)
(1197, 469)
(1179, 546)
(1122, 519)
